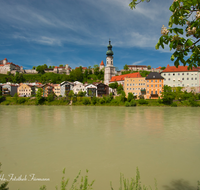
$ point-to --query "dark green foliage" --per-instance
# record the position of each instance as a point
(144, 73)
(81, 93)
(21, 100)
(86, 100)
(50, 97)
(39, 98)
(2, 98)
(167, 95)
(126, 67)
(94, 100)
(120, 89)
(102, 101)
(174, 104)
(162, 68)
(130, 96)
(4, 185)
(133, 103)
(113, 85)
(127, 104)
(141, 97)
(142, 101)
(122, 96)
(193, 102)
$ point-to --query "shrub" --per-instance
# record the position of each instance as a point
(142, 101)
(130, 97)
(2, 98)
(127, 104)
(174, 104)
(86, 100)
(21, 100)
(102, 101)
(94, 100)
(133, 103)
(50, 97)
(193, 102)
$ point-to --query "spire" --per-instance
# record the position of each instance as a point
(109, 52)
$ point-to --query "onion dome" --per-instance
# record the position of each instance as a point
(109, 52)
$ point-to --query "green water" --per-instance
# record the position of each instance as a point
(163, 142)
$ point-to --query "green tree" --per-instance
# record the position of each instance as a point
(130, 97)
(61, 65)
(119, 89)
(33, 67)
(96, 69)
(162, 68)
(113, 85)
(167, 95)
(39, 98)
(126, 67)
(149, 67)
(71, 94)
(183, 33)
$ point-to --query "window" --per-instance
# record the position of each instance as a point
(156, 85)
(130, 88)
(178, 73)
(127, 84)
(168, 78)
(160, 85)
(164, 74)
(155, 92)
(195, 78)
(160, 80)
(169, 74)
(147, 92)
(182, 78)
(147, 80)
(151, 85)
(182, 73)
(147, 85)
(187, 78)
(151, 80)
(130, 84)
(182, 84)
(151, 92)
(133, 84)
(127, 88)
(191, 78)
(155, 80)
(187, 73)
(173, 73)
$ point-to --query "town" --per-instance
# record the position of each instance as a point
(130, 80)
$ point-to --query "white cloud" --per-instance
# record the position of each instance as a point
(137, 62)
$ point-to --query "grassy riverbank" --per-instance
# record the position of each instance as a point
(88, 101)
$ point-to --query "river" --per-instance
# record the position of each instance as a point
(163, 142)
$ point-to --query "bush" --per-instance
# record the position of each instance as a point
(142, 101)
(127, 104)
(133, 103)
(2, 98)
(21, 100)
(50, 97)
(86, 100)
(174, 104)
(94, 100)
(193, 102)
(102, 101)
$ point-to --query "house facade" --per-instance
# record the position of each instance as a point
(154, 85)
(91, 90)
(189, 80)
(136, 86)
(9, 89)
(65, 88)
(25, 90)
(78, 86)
(56, 89)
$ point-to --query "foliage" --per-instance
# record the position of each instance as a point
(2, 98)
(120, 89)
(174, 104)
(183, 34)
(39, 98)
(122, 96)
(144, 73)
(133, 103)
(94, 100)
(167, 95)
(50, 97)
(41, 68)
(149, 67)
(142, 101)
(126, 67)
(86, 100)
(3, 186)
(84, 183)
(130, 96)
(133, 183)
(163, 68)
(81, 93)
(113, 85)
(70, 94)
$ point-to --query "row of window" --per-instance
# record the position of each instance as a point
(136, 84)
(183, 85)
(134, 80)
(134, 88)
(155, 80)
(24, 90)
(173, 74)
(154, 85)
(152, 92)
(182, 79)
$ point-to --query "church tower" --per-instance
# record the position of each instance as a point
(109, 68)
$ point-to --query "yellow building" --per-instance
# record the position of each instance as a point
(25, 90)
(56, 89)
(154, 85)
(135, 85)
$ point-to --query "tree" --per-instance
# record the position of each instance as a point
(149, 67)
(33, 67)
(162, 68)
(167, 95)
(96, 69)
(183, 33)
(113, 85)
(61, 65)
(120, 89)
(130, 97)
(71, 94)
(126, 67)
(39, 98)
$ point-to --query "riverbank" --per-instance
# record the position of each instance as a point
(87, 101)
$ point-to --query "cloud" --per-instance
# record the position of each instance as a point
(137, 62)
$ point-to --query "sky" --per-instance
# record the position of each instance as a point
(77, 32)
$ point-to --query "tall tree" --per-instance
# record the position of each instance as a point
(183, 32)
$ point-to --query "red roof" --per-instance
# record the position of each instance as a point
(179, 69)
(121, 77)
(6, 59)
(102, 63)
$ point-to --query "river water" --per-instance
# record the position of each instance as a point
(164, 143)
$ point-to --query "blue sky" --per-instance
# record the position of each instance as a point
(76, 32)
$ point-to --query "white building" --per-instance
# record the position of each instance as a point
(109, 68)
(182, 77)
(78, 86)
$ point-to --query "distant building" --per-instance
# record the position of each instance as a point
(26, 90)
(120, 79)
(78, 86)
(154, 85)
(91, 90)
(9, 89)
(6, 67)
(65, 88)
(101, 66)
(109, 68)
(137, 67)
(135, 85)
(189, 80)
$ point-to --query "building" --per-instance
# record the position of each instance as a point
(56, 89)
(102, 89)
(135, 85)
(120, 79)
(180, 76)
(9, 89)
(6, 67)
(109, 68)
(62, 70)
(26, 90)
(154, 85)
(101, 66)
(137, 67)
(91, 90)
(65, 88)
(78, 86)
